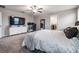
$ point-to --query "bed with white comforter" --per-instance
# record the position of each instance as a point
(50, 41)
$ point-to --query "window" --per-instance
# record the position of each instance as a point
(53, 19)
(53, 22)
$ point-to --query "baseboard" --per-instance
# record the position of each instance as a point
(13, 35)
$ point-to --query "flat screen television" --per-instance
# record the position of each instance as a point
(17, 21)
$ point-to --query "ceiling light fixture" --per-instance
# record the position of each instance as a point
(34, 9)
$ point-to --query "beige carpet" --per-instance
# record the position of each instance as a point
(13, 44)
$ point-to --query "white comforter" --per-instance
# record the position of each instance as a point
(49, 41)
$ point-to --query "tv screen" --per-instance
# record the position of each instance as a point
(17, 21)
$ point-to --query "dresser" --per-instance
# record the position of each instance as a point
(17, 30)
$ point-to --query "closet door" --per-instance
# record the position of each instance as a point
(0, 24)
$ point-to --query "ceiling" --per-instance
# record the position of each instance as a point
(47, 9)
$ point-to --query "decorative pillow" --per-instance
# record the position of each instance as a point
(71, 32)
(77, 23)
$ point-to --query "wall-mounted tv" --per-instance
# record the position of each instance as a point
(17, 21)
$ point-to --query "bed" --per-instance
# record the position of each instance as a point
(50, 41)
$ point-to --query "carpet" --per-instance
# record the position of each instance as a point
(12, 44)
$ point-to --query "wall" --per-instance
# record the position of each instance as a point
(0, 18)
(0, 24)
(5, 17)
(47, 21)
(65, 18)
(78, 14)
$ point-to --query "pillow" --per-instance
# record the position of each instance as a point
(76, 23)
(71, 32)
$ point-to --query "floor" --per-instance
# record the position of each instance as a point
(13, 44)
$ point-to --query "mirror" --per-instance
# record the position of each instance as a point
(42, 24)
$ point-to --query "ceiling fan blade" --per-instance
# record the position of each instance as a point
(40, 8)
(40, 11)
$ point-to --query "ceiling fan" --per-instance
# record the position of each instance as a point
(34, 9)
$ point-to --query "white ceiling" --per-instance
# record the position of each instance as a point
(47, 9)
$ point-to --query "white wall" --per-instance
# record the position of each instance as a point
(0, 24)
(47, 21)
(0, 18)
(5, 17)
(67, 18)
(64, 19)
(78, 14)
